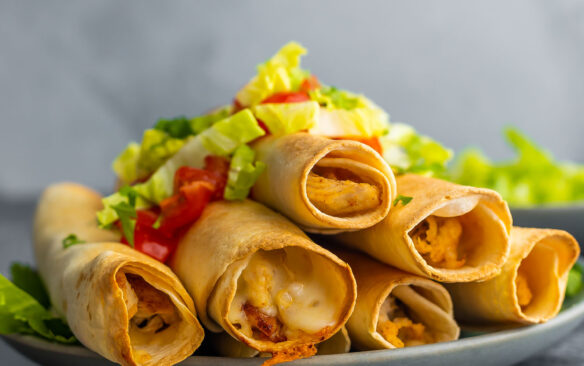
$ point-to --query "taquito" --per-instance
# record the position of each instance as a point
(396, 309)
(532, 283)
(447, 232)
(255, 275)
(325, 186)
(120, 303)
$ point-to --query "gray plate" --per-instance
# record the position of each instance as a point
(569, 218)
(500, 348)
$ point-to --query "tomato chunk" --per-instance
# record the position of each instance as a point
(287, 97)
(309, 84)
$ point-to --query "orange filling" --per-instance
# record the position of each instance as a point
(437, 240)
(524, 294)
(400, 330)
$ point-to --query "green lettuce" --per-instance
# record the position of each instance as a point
(225, 136)
(243, 173)
(533, 177)
(25, 313)
(287, 118)
(126, 164)
(280, 73)
(121, 202)
(222, 138)
(182, 127)
(406, 151)
(575, 282)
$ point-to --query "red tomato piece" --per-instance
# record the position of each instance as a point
(287, 97)
(185, 207)
(310, 83)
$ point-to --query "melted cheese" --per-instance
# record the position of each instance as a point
(397, 328)
(524, 294)
(283, 284)
(437, 240)
(341, 197)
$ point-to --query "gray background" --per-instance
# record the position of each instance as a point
(78, 80)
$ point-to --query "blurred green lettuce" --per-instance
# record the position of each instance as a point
(533, 177)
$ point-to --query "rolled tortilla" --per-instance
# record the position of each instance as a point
(532, 283)
(396, 309)
(257, 276)
(120, 303)
(325, 186)
(447, 232)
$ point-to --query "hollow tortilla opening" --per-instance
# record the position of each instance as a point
(342, 187)
(473, 235)
(540, 270)
(153, 318)
(417, 315)
(288, 294)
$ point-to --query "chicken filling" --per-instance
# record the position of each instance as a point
(339, 192)
(149, 310)
(277, 298)
(397, 327)
(437, 239)
(524, 294)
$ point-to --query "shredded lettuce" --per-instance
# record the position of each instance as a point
(287, 118)
(138, 161)
(225, 136)
(243, 173)
(21, 312)
(279, 74)
(532, 178)
(575, 282)
(182, 127)
(222, 138)
(406, 151)
(126, 164)
(119, 202)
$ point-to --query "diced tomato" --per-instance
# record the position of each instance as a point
(236, 106)
(287, 97)
(149, 240)
(309, 84)
(185, 207)
(372, 142)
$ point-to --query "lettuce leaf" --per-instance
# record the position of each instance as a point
(280, 73)
(575, 282)
(22, 313)
(287, 118)
(126, 164)
(406, 151)
(222, 138)
(243, 173)
(28, 280)
(533, 177)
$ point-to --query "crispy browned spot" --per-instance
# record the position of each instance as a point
(293, 353)
(264, 326)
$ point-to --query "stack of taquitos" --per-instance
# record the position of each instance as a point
(255, 275)
(120, 303)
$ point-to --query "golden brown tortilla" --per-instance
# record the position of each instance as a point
(242, 254)
(447, 232)
(396, 309)
(531, 285)
(120, 303)
(325, 186)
